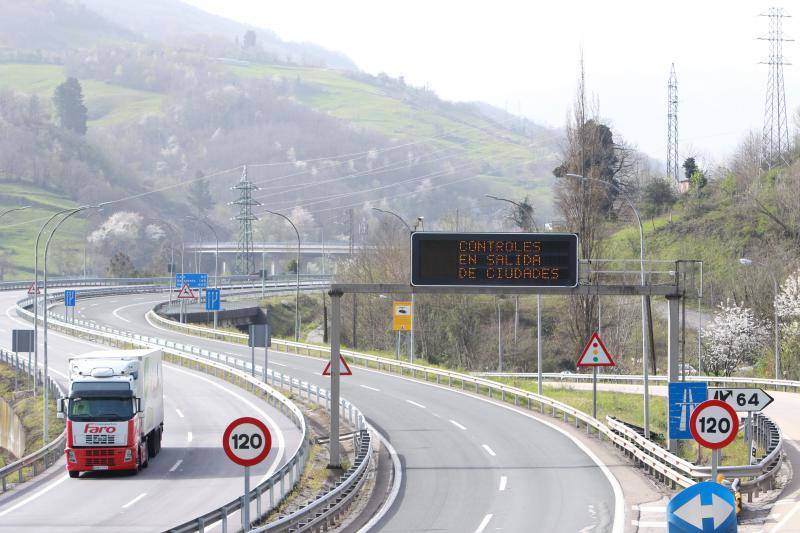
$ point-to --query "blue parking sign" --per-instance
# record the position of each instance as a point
(684, 396)
(69, 298)
(212, 299)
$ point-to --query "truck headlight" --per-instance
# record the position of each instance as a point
(128, 455)
(71, 456)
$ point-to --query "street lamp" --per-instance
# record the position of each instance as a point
(645, 362)
(749, 262)
(413, 310)
(69, 213)
(216, 254)
(297, 291)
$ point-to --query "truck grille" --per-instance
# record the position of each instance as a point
(100, 440)
(100, 458)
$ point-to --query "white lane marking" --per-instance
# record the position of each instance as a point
(652, 525)
(116, 311)
(785, 520)
(488, 450)
(415, 403)
(179, 413)
(370, 388)
(136, 499)
(189, 436)
(484, 523)
(459, 426)
(277, 364)
(503, 483)
(274, 428)
(785, 502)
(650, 508)
(176, 465)
(36, 495)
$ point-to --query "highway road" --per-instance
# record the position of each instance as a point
(190, 476)
(469, 465)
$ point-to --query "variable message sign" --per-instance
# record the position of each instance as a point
(494, 259)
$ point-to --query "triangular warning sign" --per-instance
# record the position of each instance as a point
(33, 289)
(344, 370)
(595, 353)
(186, 292)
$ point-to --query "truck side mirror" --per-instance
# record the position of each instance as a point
(139, 405)
(60, 408)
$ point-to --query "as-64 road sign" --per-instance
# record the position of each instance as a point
(247, 441)
(742, 400)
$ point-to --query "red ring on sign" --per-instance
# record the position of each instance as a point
(227, 447)
(734, 424)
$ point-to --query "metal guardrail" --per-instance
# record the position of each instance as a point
(776, 384)
(328, 506)
(660, 462)
(44, 457)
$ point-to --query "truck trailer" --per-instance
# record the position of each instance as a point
(114, 410)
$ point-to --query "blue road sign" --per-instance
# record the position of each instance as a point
(212, 299)
(684, 396)
(703, 508)
(194, 280)
(69, 298)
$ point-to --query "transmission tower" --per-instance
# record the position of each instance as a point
(775, 137)
(673, 170)
(245, 262)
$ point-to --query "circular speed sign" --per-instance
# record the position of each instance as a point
(247, 441)
(714, 424)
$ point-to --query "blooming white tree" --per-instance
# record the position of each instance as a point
(787, 304)
(732, 338)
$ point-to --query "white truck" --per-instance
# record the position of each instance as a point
(114, 410)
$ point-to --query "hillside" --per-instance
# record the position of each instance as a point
(108, 104)
(18, 233)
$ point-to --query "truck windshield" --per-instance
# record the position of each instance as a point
(100, 409)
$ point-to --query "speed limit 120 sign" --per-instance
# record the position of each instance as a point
(714, 424)
(247, 441)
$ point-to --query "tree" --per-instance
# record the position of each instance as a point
(787, 305)
(731, 339)
(695, 176)
(121, 266)
(249, 40)
(68, 100)
(689, 167)
(657, 196)
(199, 194)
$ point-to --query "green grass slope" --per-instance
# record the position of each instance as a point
(373, 107)
(107, 104)
(18, 232)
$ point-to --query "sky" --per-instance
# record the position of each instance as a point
(523, 56)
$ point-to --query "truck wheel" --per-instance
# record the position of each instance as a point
(74, 473)
(152, 442)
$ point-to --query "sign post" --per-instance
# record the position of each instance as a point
(186, 293)
(595, 354)
(246, 441)
(69, 301)
(213, 298)
(22, 341)
(744, 400)
(402, 320)
(714, 424)
(258, 337)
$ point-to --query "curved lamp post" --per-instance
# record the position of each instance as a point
(645, 362)
(297, 291)
(69, 213)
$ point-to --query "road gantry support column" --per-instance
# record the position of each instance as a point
(673, 352)
(336, 330)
